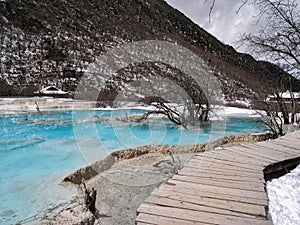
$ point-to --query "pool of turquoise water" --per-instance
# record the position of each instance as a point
(38, 150)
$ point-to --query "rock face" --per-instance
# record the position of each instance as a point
(74, 214)
(53, 42)
(88, 172)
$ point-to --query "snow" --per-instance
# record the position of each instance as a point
(284, 198)
(51, 90)
(285, 95)
(245, 102)
(239, 112)
(288, 94)
(3, 17)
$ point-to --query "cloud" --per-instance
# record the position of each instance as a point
(225, 23)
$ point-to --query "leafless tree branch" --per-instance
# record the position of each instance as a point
(279, 39)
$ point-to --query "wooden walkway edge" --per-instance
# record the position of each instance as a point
(222, 186)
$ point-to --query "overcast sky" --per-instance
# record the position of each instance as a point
(225, 23)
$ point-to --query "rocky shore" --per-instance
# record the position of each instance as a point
(124, 179)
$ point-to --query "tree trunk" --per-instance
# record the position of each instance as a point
(283, 109)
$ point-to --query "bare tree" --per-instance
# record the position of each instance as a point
(192, 104)
(273, 121)
(187, 113)
(279, 40)
(174, 94)
(279, 37)
(274, 115)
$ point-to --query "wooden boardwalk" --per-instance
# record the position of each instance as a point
(222, 186)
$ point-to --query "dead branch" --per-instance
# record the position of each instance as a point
(176, 166)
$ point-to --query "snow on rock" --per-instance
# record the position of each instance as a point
(284, 198)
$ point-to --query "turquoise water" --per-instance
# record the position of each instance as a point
(38, 150)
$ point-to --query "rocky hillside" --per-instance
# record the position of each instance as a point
(53, 42)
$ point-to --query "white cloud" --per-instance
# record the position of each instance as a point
(225, 23)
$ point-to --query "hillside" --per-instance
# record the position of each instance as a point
(53, 42)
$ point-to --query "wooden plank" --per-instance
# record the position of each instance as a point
(249, 209)
(247, 152)
(242, 159)
(228, 157)
(198, 179)
(202, 162)
(216, 176)
(224, 171)
(291, 138)
(222, 186)
(229, 184)
(230, 175)
(221, 156)
(197, 216)
(162, 220)
(142, 223)
(218, 164)
(235, 151)
(223, 190)
(288, 144)
(280, 156)
(210, 194)
(262, 152)
(230, 162)
(206, 162)
(279, 148)
(192, 205)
